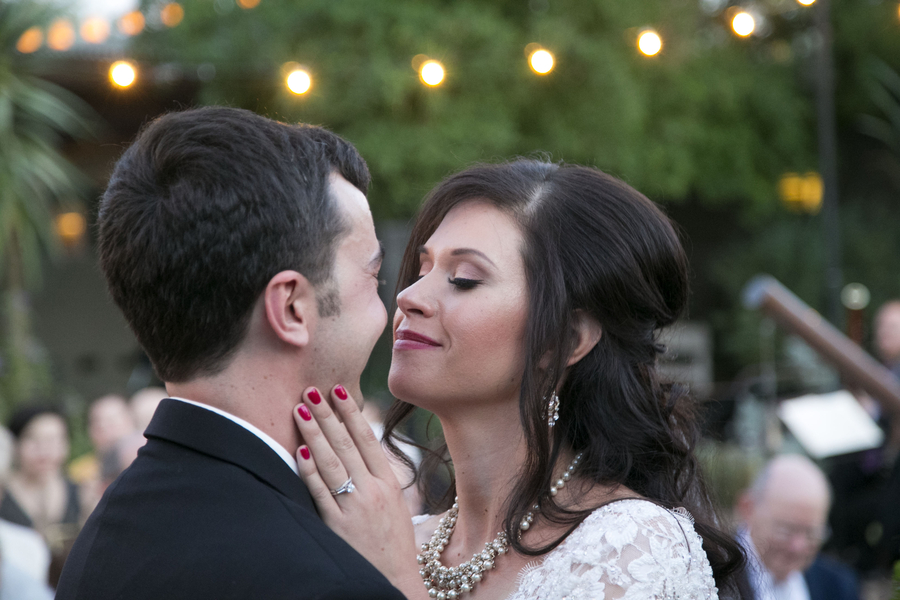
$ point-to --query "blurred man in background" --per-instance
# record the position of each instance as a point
(784, 517)
(109, 420)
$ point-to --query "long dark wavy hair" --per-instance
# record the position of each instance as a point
(594, 244)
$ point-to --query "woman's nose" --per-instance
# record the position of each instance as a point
(416, 300)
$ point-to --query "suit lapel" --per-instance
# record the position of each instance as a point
(211, 434)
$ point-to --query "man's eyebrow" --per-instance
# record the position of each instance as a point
(462, 252)
(379, 255)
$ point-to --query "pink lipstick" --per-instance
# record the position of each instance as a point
(410, 340)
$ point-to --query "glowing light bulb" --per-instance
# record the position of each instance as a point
(95, 30)
(132, 23)
(122, 73)
(299, 81)
(743, 24)
(432, 73)
(70, 227)
(806, 2)
(30, 40)
(171, 14)
(61, 35)
(649, 43)
(541, 61)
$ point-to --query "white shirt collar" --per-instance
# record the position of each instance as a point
(270, 442)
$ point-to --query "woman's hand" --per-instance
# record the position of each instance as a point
(373, 518)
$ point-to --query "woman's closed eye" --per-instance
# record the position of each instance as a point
(464, 284)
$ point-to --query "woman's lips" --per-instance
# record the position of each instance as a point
(410, 340)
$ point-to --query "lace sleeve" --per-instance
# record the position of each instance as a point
(630, 550)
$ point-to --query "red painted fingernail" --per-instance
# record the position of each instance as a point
(304, 413)
(340, 392)
(314, 396)
(304, 452)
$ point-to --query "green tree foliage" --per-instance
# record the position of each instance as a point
(34, 180)
(701, 118)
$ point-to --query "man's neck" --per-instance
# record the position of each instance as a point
(264, 401)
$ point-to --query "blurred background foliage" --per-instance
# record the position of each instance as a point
(35, 182)
(707, 117)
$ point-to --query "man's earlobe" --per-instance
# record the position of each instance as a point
(290, 302)
(589, 333)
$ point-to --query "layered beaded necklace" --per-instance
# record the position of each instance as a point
(449, 583)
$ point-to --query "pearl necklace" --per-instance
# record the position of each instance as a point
(449, 583)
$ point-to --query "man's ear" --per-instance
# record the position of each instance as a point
(589, 333)
(291, 307)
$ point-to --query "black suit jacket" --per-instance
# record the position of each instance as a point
(825, 579)
(209, 511)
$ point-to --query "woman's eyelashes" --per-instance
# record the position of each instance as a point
(463, 283)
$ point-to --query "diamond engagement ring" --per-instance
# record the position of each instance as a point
(346, 488)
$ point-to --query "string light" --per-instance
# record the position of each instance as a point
(298, 81)
(432, 73)
(61, 35)
(95, 30)
(30, 40)
(806, 2)
(122, 73)
(541, 61)
(132, 23)
(171, 14)
(743, 24)
(649, 43)
(70, 227)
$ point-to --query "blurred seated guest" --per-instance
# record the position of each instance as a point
(784, 518)
(109, 420)
(115, 460)
(38, 494)
(143, 404)
(887, 335)
(23, 547)
(16, 584)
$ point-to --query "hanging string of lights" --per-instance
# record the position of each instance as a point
(61, 36)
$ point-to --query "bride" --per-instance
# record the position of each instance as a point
(531, 297)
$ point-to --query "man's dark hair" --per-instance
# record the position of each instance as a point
(202, 211)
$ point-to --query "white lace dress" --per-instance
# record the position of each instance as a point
(626, 550)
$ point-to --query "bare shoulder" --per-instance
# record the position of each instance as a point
(424, 526)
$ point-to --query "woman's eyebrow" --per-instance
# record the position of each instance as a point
(461, 252)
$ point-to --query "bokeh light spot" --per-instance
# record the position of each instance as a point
(61, 35)
(299, 81)
(30, 40)
(432, 73)
(743, 24)
(132, 23)
(95, 30)
(541, 61)
(122, 73)
(70, 227)
(171, 14)
(649, 43)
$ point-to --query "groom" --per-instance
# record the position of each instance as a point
(243, 255)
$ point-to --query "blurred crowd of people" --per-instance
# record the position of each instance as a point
(45, 498)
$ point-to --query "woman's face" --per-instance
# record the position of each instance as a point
(459, 330)
(43, 445)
